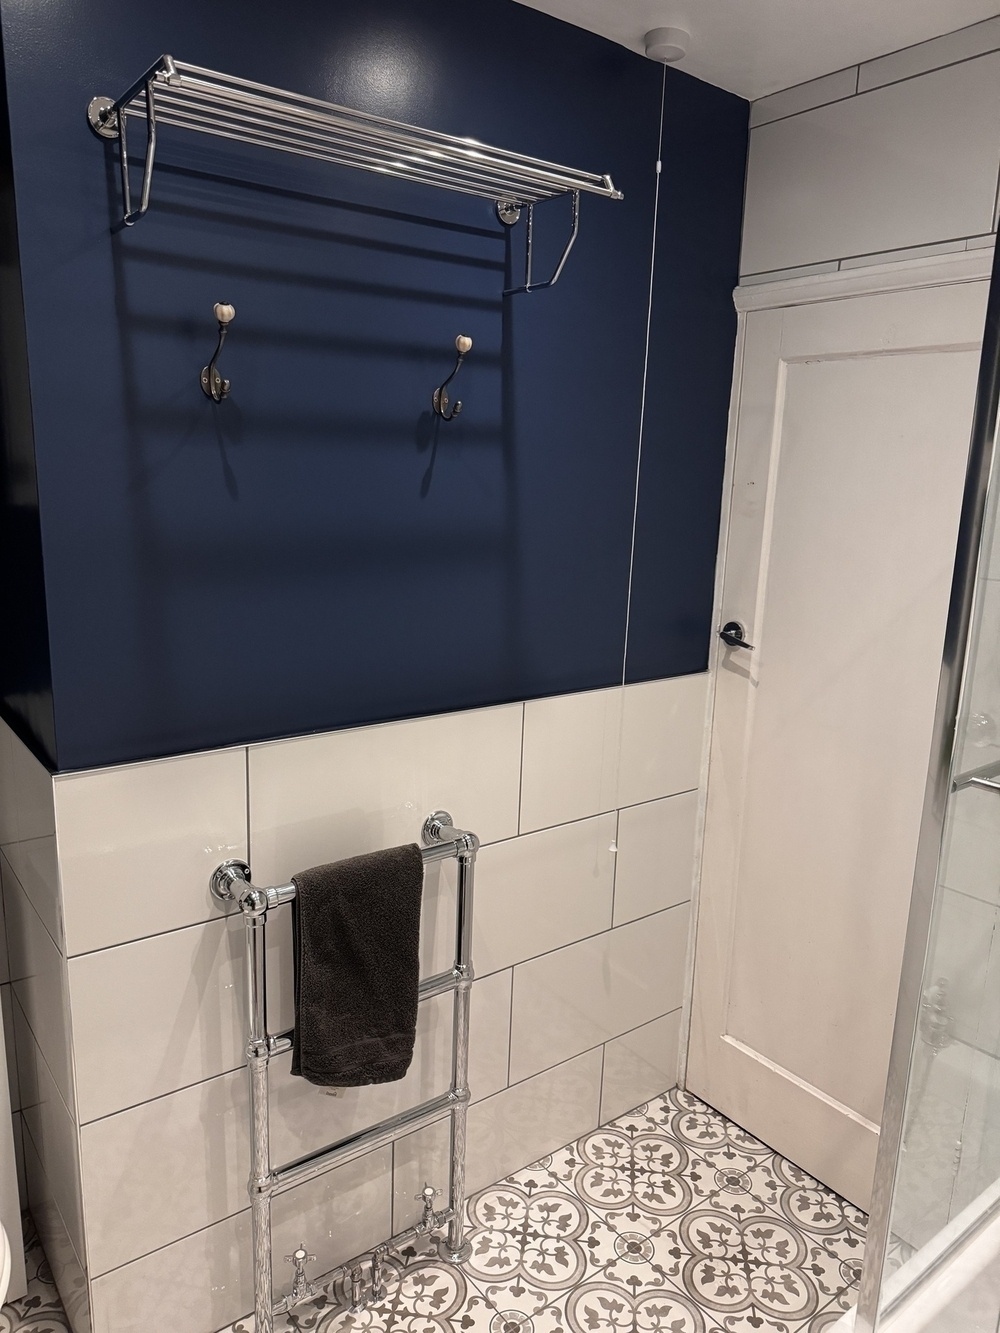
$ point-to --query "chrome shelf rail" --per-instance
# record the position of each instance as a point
(189, 97)
(231, 884)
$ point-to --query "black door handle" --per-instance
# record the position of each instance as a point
(733, 634)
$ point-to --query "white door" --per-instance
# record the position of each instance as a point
(852, 433)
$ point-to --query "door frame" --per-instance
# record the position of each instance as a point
(959, 266)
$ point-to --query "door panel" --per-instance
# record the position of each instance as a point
(851, 441)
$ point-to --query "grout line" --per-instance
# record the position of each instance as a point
(857, 81)
(889, 83)
(598, 814)
(236, 1069)
(608, 930)
(239, 1068)
(162, 1096)
(241, 1211)
(510, 1029)
(226, 916)
(26, 1132)
(579, 1054)
(614, 869)
(219, 916)
(947, 64)
(74, 1122)
(59, 948)
(246, 770)
(645, 375)
(520, 770)
(900, 255)
(600, 1085)
(847, 97)
(805, 83)
(198, 1231)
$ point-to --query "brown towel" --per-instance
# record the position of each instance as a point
(356, 927)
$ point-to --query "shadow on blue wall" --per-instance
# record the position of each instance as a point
(318, 551)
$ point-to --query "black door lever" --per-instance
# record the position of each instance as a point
(733, 634)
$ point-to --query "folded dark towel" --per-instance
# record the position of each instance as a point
(356, 927)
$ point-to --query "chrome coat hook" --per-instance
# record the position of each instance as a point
(463, 345)
(212, 383)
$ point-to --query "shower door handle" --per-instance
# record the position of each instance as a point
(734, 635)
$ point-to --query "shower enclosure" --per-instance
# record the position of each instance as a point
(933, 1258)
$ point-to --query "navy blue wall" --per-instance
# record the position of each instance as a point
(315, 552)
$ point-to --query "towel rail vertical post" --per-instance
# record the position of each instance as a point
(258, 1056)
(455, 1247)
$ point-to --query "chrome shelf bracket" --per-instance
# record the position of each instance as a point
(528, 285)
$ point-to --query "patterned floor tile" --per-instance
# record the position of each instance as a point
(670, 1219)
(531, 1243)
(601, 1307)
(758, 1271)
(629, 1173)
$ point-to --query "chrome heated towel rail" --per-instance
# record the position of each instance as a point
(231, 884)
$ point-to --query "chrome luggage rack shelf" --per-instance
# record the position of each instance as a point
(173, 93)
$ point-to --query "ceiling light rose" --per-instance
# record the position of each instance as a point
(667, 44)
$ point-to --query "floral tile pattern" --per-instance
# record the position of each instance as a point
(670, 1219)
(694, 1227)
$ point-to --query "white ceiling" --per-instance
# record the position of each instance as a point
(754, 47)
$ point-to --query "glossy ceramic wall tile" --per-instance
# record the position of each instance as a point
(206, 1278)
(53, 1131)
(159, 828)
(839, 167)
(39, 983)
(595, 990)
(543, 890)
(68, 1268)
(656, 843)
(639, 1061)
(586, 753)
(183, 1021)
(570, 1012)
(322, 797)
(27, 828)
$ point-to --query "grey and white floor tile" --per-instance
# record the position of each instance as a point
(670, 1219)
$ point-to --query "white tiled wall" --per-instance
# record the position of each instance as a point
(126, 982)
(27, 927)
(896, 158)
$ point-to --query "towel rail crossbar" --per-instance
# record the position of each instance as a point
(230, 884)
(440, 984)
(366, 1140)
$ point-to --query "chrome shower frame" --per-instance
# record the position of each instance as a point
(942, 780)
(230, 883)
